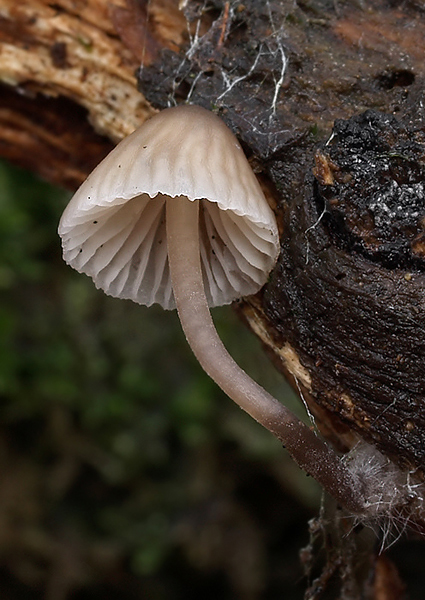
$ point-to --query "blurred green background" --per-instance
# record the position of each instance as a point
(124, 471)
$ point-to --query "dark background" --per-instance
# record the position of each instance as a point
(124, 471)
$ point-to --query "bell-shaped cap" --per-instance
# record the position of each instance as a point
(113, 229)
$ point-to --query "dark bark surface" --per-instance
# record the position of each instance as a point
(348, 291)
(343, 313)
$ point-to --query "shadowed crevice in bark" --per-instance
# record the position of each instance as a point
(50, 136)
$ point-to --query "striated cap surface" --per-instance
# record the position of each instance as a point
(113, 229)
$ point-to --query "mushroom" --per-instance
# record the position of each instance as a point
(174, 215)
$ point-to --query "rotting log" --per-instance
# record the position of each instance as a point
(343, 313)
(342, 318)
(348, 292)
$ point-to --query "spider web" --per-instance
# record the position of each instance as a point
(253, 80)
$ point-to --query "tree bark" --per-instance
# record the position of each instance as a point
(281, 75)
(68, 87)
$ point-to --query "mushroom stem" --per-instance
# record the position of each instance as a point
(306, 448)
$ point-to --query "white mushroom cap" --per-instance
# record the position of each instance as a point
(114, 226)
